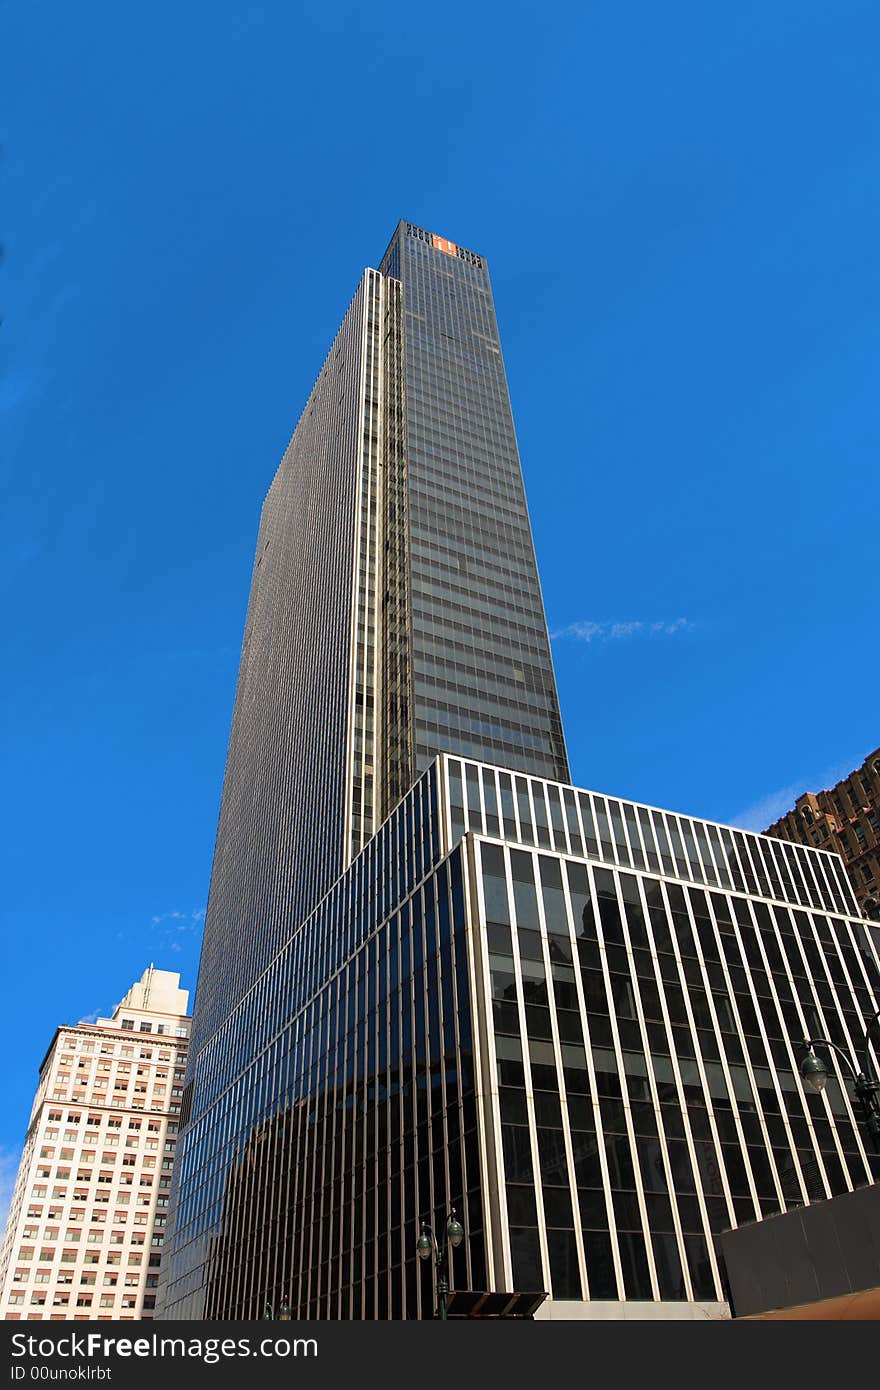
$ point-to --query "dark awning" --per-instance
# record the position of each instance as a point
(475, 1303)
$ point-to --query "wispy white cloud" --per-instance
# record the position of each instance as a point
(768, 809)
(170, 928)
(179, 921)
(9, 1161)
(579, 632)
(168, 931)
(588, 631)
(96, 1014)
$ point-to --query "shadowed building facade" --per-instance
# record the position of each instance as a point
(395, 609)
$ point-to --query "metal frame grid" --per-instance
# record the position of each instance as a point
(282, 1063)
(639, 1035)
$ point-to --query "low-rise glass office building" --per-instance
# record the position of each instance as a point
(574, 1019)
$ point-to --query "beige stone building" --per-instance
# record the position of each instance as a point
(845, 819)
(86, 1226)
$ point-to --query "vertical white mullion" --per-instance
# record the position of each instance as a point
(804, 869)
(743, 861)
(705, 855)
(354, 628)
(798, 887)
(444, 810)
(377, 811)
(815, 1003)
(701, 1071)
(579, 821)
(652, 1085)
(482, 1010)
(560, 1077)
(664, 844)
(720, 873)
(514, 795)
(872, 989)
(638, 847)
(482, 795)
(758, 870)
(566, 835)
(493, 773)
(673, 826)
(676, 1072)
(624, 1081)
(597, 800)
(594, 1096)
(826, 891)
(650, 846)
(843, 1084)
(725, 1064)
(533, 791)
(783, 869)
(762, 1031)
(812, 865)
(701, 1062)
(527, 1064)
(822, 1014)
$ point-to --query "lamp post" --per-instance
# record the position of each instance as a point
(427, 1246)
(865, 1083)
(283, 1312)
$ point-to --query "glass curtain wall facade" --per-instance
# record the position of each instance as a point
(302, 739)
(572, 1018)
(395, 612)
(642, 984)
(352, 1111)
(395, 609)
(480, 679)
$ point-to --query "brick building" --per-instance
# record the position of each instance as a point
(845, 819)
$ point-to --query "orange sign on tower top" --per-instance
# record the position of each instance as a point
(443, 245)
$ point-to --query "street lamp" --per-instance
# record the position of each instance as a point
(283, 1312)
(865, 1083)
(427, 1246)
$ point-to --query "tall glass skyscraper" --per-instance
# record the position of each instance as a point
(395, 609)
(434, 974)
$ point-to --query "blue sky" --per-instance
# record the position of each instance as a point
(679, 205)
